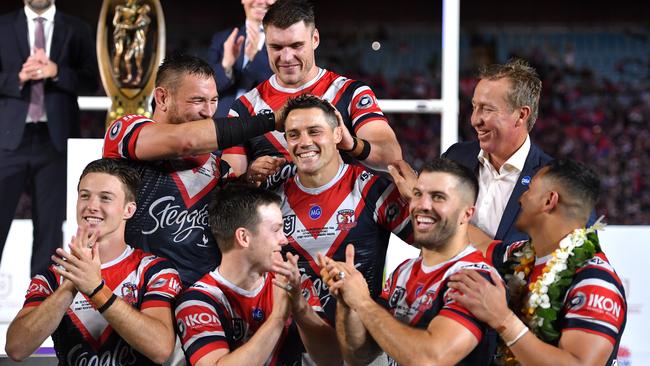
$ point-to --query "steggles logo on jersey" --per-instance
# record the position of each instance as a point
(121, 355)
(345, 220)
(165, 214)
(578, 301)
(286, 172)
(130, 293)
(289, 225)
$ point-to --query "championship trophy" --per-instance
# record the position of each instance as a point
(130, 46)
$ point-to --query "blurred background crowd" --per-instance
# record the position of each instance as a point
(593, 59)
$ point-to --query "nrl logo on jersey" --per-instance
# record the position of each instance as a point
(289, 225)
(345, 220)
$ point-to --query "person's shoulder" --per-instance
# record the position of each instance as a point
(537, 150)
(71, 20)
(463, 147)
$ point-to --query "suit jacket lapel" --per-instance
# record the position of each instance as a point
(512, 208)
(58, 36)
(240, 61)
(22, 37)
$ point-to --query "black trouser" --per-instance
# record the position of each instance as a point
(35, 161)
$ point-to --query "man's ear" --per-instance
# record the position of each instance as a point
(161, 96)
(551, 201)
(524, 115)
(242, 237)
(467, 215)
(129, 210)
(338, 134)
(315, 38)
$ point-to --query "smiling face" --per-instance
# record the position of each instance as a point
(291, 53)
(311, 142)
(256, 9)
(500, 128)
(268, 238)
(436, 209)
(195, 98)
(102, 205)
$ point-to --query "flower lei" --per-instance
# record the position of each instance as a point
(545, 298)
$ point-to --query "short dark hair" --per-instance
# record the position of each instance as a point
(179, 64)
(121, 170)
(307, 101)
(578, 181)
(526, 85)
(465, 176)
(235, 206)
(285, 13)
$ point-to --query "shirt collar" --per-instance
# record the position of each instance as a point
(48, 14)
(517, 160)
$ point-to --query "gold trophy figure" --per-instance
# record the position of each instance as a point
(138, 39)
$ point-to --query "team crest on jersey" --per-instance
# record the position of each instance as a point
(289, 224)
(345, 220)
(365, 102)
(115, 130)
(425, 302)
(237, 329)
(129, 293)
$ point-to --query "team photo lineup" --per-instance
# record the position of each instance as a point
(246, 219)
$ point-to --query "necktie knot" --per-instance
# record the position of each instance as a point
(40, 20)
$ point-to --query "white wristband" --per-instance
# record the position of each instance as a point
(518, 337)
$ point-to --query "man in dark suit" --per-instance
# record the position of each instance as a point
(46, 58)
(505, 104)
(238, 56)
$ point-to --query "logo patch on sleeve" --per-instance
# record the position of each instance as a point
(115, 130)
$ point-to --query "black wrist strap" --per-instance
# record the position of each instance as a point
(107, 304)
(237, 130)
(96, 290)
(365, 152)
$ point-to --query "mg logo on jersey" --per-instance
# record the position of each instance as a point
(604, 303)
(289, 225)
(315, 211)
(345, 220)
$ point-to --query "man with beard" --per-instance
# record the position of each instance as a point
(104, 300)
(172, 151)
(291, 41)
(564, 280)
(46, 59)
(329, 203)
(416, 321)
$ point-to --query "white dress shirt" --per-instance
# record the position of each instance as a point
(495, 188)
(48, 28)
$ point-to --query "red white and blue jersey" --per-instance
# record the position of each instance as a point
(415, 294)
(215, 314)
(355, 101)
(171, 219)
(84, 337)
(356, 207)
(594, 302)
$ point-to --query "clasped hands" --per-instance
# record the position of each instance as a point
(344, 281)
(37, 67)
